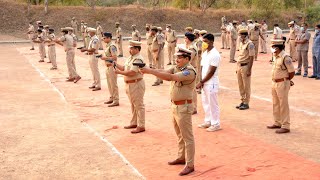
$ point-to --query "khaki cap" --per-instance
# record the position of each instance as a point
(168, 25)
(257, 24)
(117, 23)
(154, 28)
(159, 28)
(250, 20)
(91, 29)
(133, 25)
(291, 23)
(244, 30)
(73, 18)
(134, 43)
(46, 26)
(38, 22)
(196, 31)
(234, 22)
(183, 51)
(189, 28)
(69, 28)
(203, 32)
(64, 29)
(276, 42)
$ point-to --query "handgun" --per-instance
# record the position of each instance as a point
(140, 65)
(112, 61)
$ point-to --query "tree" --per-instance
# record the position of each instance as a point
(206, 4)
(46, 6)
(92, 3)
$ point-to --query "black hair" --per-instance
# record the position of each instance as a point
(209, 36)
(39, 30)
(281, 47)
(186, 56)
(190, 36)
(245, 33)
(137, 47)
(276, 25)
(318, 26)
(107, 34)
(155, 30)
(65, 31)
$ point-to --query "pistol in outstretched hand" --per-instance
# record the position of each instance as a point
(140, 65)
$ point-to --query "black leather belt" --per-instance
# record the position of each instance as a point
(243, 64)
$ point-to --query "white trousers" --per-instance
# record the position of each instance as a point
(210, 103)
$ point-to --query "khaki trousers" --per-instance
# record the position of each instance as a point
(94, 66)
(42, 51)
(158, 61)
(233, 49)
(302, 57)
(70, 54)
(30, 36)
(135, 92)
(293, 51)
(228, 39)
(263, 43)
(119, 43)
(100, 42)
(224, 40)
(281, 113)
(256, 48)
(75, 30)
(87, 39)
(171, 51)
(182, 123)
(52, 55)
(150, 56)
(112, 84)
(84, 40)
(244, 83)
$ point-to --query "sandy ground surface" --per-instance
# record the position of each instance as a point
(51, 128)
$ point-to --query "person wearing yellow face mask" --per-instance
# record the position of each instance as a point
(209, 84)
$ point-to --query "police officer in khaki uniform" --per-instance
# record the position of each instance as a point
(40, 40)
(99, 34)
(110, 57)
(87, 38)
(302, 46)
(149, 38)
(67, 41)
(263, 42)
(294, 31)
(31, 35)
(233, 41)
(224, 36)
(119, 39)
(158, 51)
(135, 86)
(93, 60)
(190, 44)
(240, 26)
(74, 25)
(52, 49)
(244, 67)
(282, 73)
(135, 34)
(182, 77)
(254, 35)
(82, 30)
(198, 43)
(189, 29)
(171, 39)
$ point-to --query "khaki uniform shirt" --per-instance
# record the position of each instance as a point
(135, 35)
(67, 42)
(111, 50)
(158, 40)
(40, 38)
(75, 39)
(183, 89)
(74, 24)
(264, 29)
(294, 31)
(254, 34)
(82, 28)
(45, 34)
(234, 34)
(246, 50)
(303, 47)
(282, 66)
(99, 31)
(149, 38)
(118, 32)
(223, 29)
(193, 47)
(51, 37)
(31, 29)
(171, 36)
(129, 66)
(94, 43)
(277, 32)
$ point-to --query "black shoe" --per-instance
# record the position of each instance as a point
(120, 56)
(239, 105)
(305, 75)
(317, 78)
(244, 107)
(297, 73)
(169, 64)
(313, 76)
(32, 49)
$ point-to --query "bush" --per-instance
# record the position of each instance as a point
(313, 15)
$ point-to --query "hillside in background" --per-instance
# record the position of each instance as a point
(15, 17)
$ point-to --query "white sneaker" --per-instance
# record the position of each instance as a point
(204, 125)
(213, 128)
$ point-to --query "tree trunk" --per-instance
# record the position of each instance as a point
(37, 2)
(46, 3)
(28, 5)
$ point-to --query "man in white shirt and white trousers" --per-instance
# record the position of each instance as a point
(210, 63)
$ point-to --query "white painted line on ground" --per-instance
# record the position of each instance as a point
(114, 149)
(310, 113)
(87, 126)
